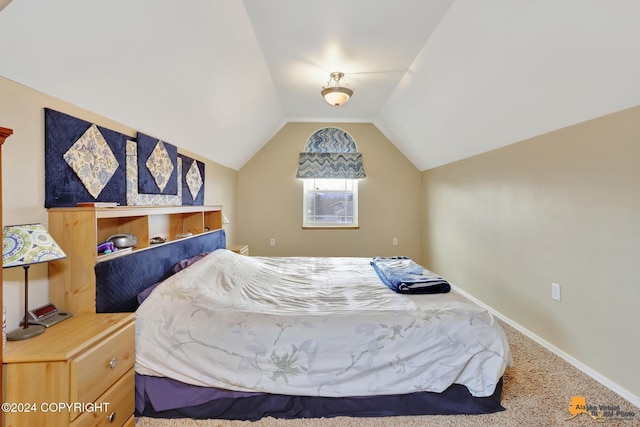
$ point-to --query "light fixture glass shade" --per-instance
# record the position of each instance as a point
(336, 95)
(28, 244)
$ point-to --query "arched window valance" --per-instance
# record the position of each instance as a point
(330, 153)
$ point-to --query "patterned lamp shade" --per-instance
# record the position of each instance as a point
(28, 244)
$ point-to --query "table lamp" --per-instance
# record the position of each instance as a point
(23, 245)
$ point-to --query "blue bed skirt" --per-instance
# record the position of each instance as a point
(455, 400)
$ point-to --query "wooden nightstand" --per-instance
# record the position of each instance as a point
(240, 249)
(85, 362)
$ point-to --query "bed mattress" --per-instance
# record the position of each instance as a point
(313, 327)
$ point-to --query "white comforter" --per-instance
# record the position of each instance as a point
(315, 327)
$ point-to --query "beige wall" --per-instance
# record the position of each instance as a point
(565, 208)
(21, 109)
(270, 199)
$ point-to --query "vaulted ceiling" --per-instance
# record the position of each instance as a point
(443, 79)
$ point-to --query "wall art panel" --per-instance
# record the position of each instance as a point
(192, 181)
(157, 166)
(83, 162)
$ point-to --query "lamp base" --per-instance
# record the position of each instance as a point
(25, 333)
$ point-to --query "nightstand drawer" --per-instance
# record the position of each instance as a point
(95, 370)
(115, 406)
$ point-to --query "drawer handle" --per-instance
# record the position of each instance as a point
(113, 363)
(112, 417)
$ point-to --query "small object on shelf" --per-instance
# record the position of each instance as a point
(106, 248)
(116, 253)
(97, 204)
(156, 240)
(183, 235)
(122, 241)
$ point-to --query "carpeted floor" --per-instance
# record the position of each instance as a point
(538, 391)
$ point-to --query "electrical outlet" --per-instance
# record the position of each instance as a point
(555, 291)
(394, 241)
(272, 242)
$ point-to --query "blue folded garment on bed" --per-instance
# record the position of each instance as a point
(405, 276)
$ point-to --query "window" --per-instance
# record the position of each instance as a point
(330, 203)
(330, 168)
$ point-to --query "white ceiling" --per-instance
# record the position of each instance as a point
(443, 79)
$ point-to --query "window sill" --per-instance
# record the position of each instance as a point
(330, 227)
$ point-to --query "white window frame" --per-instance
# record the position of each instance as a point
(312, 185)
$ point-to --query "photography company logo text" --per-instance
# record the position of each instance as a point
(599, 413)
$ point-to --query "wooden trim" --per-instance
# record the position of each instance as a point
(4, 134)
(130, 211)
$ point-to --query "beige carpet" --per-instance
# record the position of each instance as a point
(537, 392)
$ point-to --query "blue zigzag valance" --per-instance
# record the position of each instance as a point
(330, 153)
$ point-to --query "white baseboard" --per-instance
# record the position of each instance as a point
(632, 398)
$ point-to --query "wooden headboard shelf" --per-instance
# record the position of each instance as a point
(79, 230)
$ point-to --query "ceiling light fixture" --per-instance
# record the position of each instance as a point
(334, 93)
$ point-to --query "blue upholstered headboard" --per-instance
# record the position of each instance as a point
(119, 280)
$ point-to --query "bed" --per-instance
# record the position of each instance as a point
(221, 335)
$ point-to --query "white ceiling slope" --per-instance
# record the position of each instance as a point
(498, 72)
(443, 79)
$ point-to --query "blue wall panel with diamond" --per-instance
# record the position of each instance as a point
(192, 181)
(157, 166)
(83, 162)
